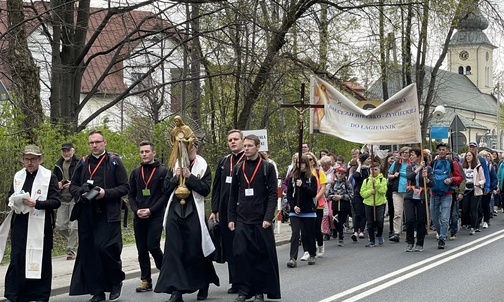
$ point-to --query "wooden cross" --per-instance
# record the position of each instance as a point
(301, 108)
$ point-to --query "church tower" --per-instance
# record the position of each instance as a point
(470, 52)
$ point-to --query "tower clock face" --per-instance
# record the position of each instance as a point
(464, 55)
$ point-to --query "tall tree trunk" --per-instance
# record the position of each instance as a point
(274, 46)
(324, 38)
(383, 52)
(195, 106)
(24, 71)
(406, 45)
(69, 38)
(432, 84)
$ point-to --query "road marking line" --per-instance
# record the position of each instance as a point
(407, 268)
(419, 271)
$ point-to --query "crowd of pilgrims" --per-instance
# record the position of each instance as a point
(335, 198)
(324, 198)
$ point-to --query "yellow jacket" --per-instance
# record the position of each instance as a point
(380, 187)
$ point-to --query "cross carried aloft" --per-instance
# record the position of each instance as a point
(301, 108)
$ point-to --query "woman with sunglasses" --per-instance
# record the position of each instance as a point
(320, 198)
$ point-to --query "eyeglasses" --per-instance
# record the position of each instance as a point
(30, 160)
(95, 143)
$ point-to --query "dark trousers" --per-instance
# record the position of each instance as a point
(470, 209)
(148, 236)
(304, 226)
(375, 224)
(342, 218)
(390, 205)
(485, 204)
(416, 218)
(359, 219)
(318, 227)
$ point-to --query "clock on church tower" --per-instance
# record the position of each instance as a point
(464, 55)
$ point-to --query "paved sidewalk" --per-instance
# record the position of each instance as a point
(62, 268)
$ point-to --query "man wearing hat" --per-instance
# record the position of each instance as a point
(33, 196)
(64, 170)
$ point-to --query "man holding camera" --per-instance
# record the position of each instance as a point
(64, 170)
(98, 184)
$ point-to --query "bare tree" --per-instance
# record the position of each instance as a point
(24, 72)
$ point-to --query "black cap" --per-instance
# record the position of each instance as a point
(67, 146)
(441, 144)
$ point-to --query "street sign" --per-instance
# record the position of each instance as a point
(438, 132)
(4, 94)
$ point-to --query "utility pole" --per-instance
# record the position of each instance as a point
(498, 117)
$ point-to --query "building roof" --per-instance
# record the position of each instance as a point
(447, 120)
(452, 90)
(470, 28)
(118, 28)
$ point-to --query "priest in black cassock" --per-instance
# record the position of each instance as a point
(252, 204)
(31, 220)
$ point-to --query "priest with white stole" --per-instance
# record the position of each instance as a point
(32, 197)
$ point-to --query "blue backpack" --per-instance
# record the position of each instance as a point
(441, 171)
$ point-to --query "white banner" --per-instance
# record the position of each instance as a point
(263, 137)
(396, 121)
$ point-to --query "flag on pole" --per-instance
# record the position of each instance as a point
(396, 121)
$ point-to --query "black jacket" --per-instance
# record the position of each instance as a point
(308, 191)
(58, 168)
(259, 207)
(220, 188)
(111, 176)
(156, 201)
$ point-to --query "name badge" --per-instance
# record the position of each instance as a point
(146, 192)
(249, 192)
(90, 181)
(228, 179)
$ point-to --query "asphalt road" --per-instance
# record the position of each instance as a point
(469, 269)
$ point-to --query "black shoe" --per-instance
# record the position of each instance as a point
(98, 298)
(241, 298)
(176, 297)
(259, 298)
(394, 238)
(232, 290)
(441, 244)
(202, 294)
(115, 293)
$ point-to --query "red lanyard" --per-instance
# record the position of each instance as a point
(96, 168)
(150, 177)
(253, 174)
(231, 162)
